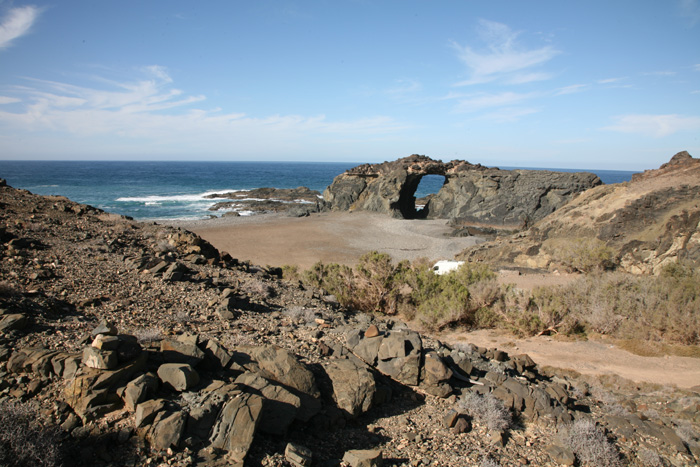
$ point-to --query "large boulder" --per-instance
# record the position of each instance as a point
(236, 425)
(353, 385)
(471, 194)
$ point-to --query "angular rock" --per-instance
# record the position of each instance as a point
(435, 369)
(405, 370)
(280, 408)
(139, 389)
(13, 322)
(92, 388)
(100, 359)
(372, 331)
(353, 386)
(105, 342)
(178, 376)
(561, 455)
(168, 429)
(368, 349)
(298, 455)
(216, 356)
(236, 425)
(282, 366)
(364, 458)
(146, 412)
(105, 327)
(181, 352)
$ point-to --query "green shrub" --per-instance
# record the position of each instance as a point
(583, 254)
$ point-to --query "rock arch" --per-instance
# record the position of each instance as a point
(472, 193)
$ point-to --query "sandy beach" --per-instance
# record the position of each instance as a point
(338, 237)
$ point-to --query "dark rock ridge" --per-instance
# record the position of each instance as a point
(296, 202)
(472, 194)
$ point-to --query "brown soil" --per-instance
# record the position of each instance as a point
(590, 357)
(335, 237)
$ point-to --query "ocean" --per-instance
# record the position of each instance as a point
(177, 190)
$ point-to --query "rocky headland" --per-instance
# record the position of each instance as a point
(639, 226)
(127, 343)
(471, 196)
(296, 202)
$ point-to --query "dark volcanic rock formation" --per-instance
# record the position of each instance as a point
(472, 194)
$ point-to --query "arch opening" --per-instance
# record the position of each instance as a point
(415, 195)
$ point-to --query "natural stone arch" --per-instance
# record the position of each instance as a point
(472, 194)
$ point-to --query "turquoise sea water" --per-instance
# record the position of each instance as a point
(176, 190)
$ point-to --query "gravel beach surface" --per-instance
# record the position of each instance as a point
(338, 237)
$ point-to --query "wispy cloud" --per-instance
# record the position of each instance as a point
(655, 125)
(611, 80)
(696, 67)
(8, 100)
(152, 110)
(17, 23)
(660, 73)
(572, 89)
(508, 114)
(503, 58)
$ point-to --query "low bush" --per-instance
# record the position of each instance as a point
(590, 445)
(486, 410)
(24, 440)
(464, 296)
(663, 309)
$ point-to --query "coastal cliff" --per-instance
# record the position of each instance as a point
(471, 194)
(639, 226)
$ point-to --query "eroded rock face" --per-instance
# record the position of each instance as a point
(647, 223)
(471, 193)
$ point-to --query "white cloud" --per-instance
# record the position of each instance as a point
(503, 58)
(8, 100)
(509, 114)
(610, 80)
(572, 89)
(655, 125)
(152, 111)
(17, 23)
(696, 67)
(480, 101)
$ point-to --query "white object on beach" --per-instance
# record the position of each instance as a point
(444, 266)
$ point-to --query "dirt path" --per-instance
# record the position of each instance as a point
(590, 358)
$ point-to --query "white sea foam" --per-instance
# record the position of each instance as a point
(175, 198)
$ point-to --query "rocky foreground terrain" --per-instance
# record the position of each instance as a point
(138, 344)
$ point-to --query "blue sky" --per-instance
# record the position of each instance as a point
(595, 84)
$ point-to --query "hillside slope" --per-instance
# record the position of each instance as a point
(638, 226)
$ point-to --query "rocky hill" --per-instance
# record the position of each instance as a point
(638, 226)
(126, 343)
(471, 195)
